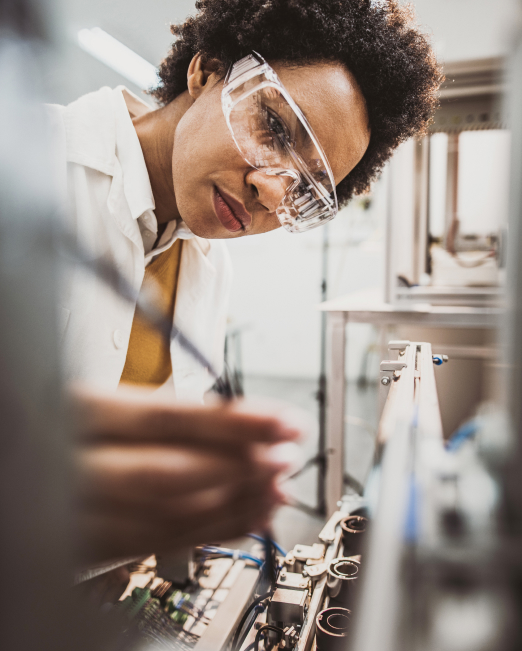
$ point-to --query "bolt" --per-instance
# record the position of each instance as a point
(385, 381)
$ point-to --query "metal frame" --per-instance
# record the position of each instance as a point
(345, 310)
(470, 99)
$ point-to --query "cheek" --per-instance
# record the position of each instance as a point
(203, 151)
(202, 140)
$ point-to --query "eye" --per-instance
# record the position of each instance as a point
(276, 126)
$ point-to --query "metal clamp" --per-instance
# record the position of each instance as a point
(388, 368)
(399, 345)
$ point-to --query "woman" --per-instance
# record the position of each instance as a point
(270, 113)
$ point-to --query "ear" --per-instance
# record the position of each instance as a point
(199, 73)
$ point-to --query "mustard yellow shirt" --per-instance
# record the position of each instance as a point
(148, 356)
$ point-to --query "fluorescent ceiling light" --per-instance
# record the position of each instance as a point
(119, 57)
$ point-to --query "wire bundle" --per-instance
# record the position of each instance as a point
(258, 606)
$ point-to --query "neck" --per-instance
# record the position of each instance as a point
(156, 131)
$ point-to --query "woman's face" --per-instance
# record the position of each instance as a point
(218, 194)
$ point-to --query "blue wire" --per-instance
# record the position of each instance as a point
(262, 540)
(223, 551)
(464, 432)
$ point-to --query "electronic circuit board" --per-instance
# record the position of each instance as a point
(227, 606)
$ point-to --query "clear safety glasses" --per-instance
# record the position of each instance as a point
(273, 135)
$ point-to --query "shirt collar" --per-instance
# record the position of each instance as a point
(101, 135)
(175, 230)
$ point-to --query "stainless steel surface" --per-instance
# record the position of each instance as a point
(467, 296)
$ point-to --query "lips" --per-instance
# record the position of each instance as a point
(230, 212)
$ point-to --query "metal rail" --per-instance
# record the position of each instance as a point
(411, 417)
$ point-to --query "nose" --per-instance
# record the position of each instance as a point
(269, 190)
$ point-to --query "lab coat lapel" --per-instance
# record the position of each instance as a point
(119, 208)
(194, 311)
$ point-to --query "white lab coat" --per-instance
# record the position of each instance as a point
(110, 206)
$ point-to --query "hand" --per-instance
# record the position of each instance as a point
(156, 476)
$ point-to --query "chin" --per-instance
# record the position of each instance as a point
(207, 229)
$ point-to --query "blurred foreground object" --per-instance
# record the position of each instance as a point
(34, 548)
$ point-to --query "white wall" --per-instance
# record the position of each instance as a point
(469, 29)
(277, 288)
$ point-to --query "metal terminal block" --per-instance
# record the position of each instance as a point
(290, 638)
(292, 581)
(288, 606)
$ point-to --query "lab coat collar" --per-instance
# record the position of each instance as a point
(100, 135)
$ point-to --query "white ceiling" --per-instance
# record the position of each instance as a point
(141, 25)
(144, 26)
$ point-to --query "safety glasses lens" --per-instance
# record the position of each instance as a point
(273, 138)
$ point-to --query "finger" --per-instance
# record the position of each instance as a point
(112, 535)
(133, 414)
(185, 507)
(141, 475)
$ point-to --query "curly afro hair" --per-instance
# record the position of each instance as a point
(377, 40)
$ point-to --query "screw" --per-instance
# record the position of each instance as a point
(385, 381)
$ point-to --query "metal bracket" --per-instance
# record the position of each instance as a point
(399, 345)
(388, 368)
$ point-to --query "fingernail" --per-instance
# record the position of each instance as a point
(287, 456)
(296, 424)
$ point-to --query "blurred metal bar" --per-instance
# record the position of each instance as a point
(335, 382)
(512, 333)
(35, 543)
(429, 419)
(421, 208)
